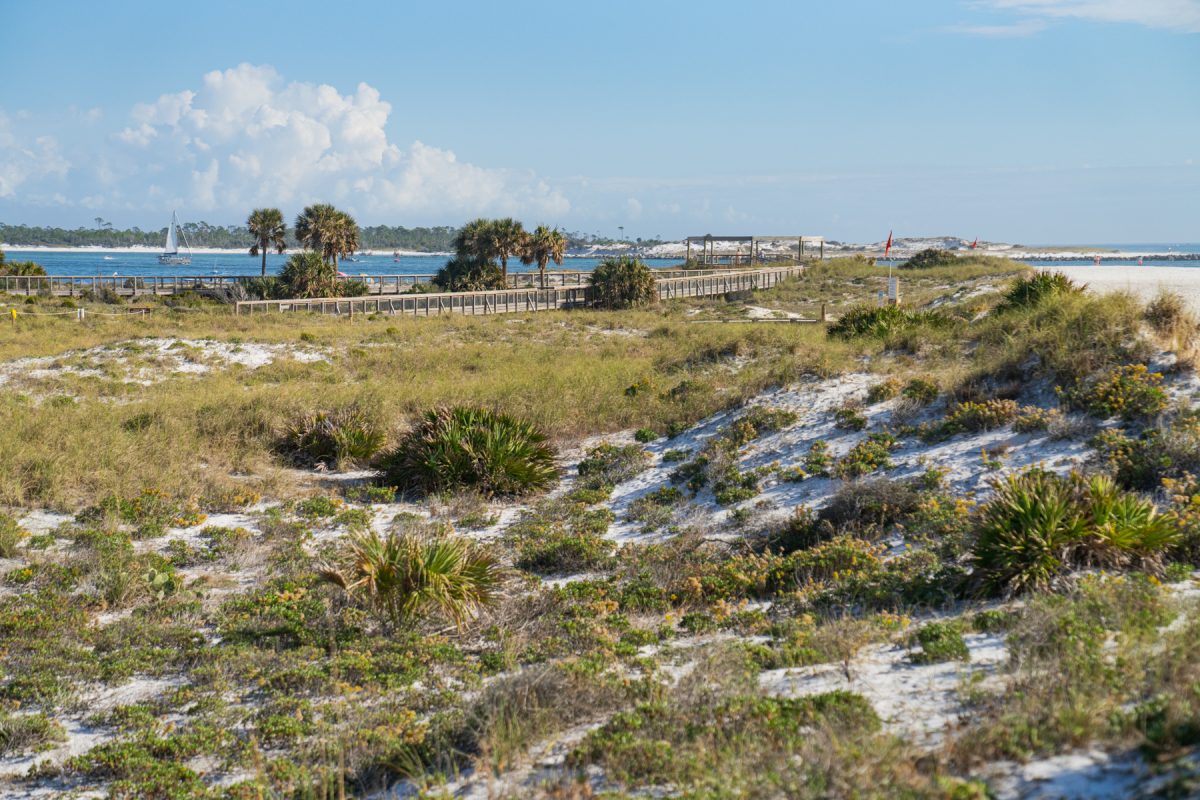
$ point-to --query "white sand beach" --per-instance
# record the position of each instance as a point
(1145, 282)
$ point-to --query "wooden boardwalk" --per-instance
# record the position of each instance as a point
(706, 283)
(377, 285)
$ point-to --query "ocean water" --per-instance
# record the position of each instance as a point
(100, 263)
(146, 263)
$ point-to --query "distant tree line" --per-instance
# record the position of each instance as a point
(202, 234)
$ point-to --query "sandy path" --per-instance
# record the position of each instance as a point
(1142, 281)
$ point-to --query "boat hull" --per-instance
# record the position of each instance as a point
(180, 260)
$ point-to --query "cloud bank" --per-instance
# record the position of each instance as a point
(245, 137)
(1176, 15)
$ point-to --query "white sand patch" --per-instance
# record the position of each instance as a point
(1091, 774)
(758, 312)
(148, 361)
(1145, 282)
(915, 700)
(962, 457)
(81, 735)
(39, 522)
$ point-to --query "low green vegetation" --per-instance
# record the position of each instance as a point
(622, 282)
(720, 615)
(470, 448)
(1038, 525)
(406, 574)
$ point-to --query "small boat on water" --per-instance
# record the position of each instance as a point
(170, 253)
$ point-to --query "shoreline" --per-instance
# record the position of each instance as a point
(677, 252)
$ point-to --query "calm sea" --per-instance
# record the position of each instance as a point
(94, 263)
(99, 263)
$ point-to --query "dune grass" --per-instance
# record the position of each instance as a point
(68, 443)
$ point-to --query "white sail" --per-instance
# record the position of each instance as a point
(171, 248)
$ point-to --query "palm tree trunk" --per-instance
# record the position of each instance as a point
(504, 269)
(264, 261)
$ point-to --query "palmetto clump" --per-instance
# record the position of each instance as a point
(1038, 525)
(471, 448)
(404, 576)
(343, 436)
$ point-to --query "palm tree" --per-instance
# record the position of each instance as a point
(508, 239)
(330, 232)
(542, 246)
(307, 275)
(268, 229)
(405, 574)
(474, 241)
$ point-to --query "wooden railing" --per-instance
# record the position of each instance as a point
(695, 283)
(137, 285)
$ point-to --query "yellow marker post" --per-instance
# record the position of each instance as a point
(13, 311)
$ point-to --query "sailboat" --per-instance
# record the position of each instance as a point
(170, 253)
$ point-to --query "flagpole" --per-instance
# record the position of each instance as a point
(887, 249)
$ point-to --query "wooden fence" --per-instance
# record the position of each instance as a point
(378, 285)
(696, 283)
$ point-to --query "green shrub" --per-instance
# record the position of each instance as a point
(267, 287)
(673, 456)
(970, 417)
(730, 485)
(1169, 317)
(466, 273)
(993, 620)
(609, 464)
(867, 456)
(939, 641)
(1129, 391)
(21, 268)
(884, 390)
(1032, 419)
(470, 448)
(882, 321)
(849, 418)
(1026, 532)
(644, 435)
(565, 552)
(11, 535)
(341, 437)
(307, 275)
(23, 732)
(921, 390)
(818, 460)
(1037, 525)
(1032, 290)
(656, 509)
(929, 258)
(365, 493)
(622, 282)
(406, 575)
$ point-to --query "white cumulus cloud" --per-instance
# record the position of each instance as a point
(245, 137)
(24, 158)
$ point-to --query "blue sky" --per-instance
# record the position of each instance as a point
(1019, 120)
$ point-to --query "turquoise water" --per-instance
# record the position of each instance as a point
(99, 263)
(94, 263)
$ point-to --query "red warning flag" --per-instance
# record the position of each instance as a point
(888, 247)
(975, 243)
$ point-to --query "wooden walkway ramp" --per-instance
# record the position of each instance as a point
(501, 301)
(378, 285)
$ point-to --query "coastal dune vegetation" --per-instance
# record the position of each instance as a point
(667, 549)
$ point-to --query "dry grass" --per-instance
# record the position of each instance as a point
(188, 434)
